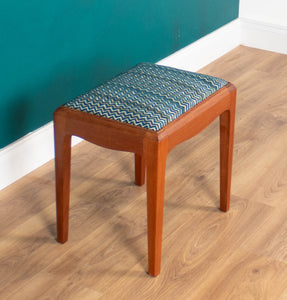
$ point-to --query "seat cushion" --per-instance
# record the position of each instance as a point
(148, 95)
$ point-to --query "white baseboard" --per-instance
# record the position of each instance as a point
(205, 50)
(37, 148)
(27, 154)
(264, 36)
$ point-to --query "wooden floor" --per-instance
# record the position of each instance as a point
(207, 254)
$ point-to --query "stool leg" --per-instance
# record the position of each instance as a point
(63, 170)
(155, 203)
(226, 153)
(139, 170)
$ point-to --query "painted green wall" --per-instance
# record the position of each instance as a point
(53, 50)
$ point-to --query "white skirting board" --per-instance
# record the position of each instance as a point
(207, 49)
(37, 148)
(263, 35)
(27, 154)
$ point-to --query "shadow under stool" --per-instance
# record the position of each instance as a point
(147, 110)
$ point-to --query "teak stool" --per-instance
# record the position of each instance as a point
(147, 110)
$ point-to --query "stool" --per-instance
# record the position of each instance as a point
(147, 110)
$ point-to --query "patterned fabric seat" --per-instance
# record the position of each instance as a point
(147, 110)
(148, 95)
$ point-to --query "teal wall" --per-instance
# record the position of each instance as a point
(53, 50)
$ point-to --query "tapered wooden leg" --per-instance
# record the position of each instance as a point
(139, 170)
(155, 203)
(63, 170)
(226, 153)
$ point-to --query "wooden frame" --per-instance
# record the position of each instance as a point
(151, 149)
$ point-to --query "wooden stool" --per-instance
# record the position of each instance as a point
(147, 110)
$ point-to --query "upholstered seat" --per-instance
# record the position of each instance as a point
(148, 95)
(147, 110)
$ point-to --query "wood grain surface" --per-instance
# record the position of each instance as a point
(207, 254)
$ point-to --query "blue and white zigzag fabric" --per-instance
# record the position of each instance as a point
(148, 95)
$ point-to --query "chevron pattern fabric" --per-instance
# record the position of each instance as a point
(148, 95)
